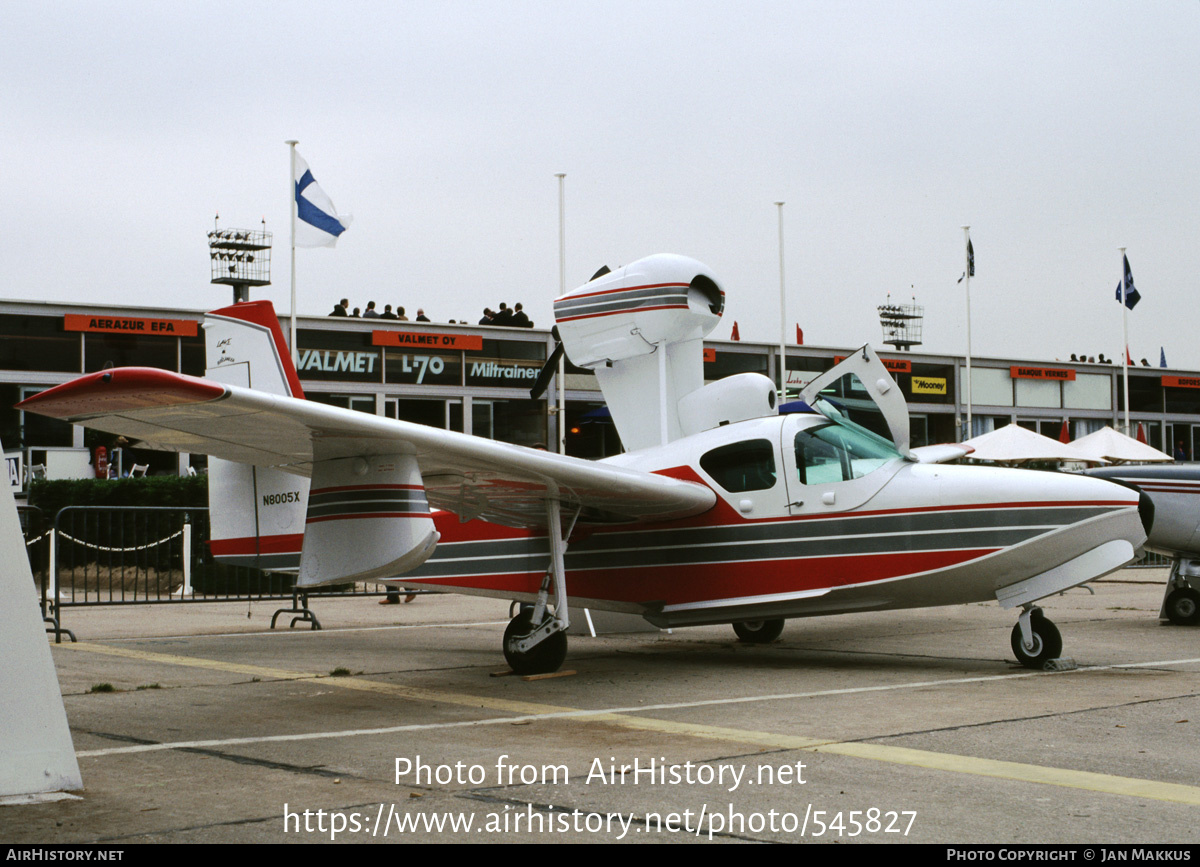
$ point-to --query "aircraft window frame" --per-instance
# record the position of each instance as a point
(728, 467)
(837, 403)
(848, 451)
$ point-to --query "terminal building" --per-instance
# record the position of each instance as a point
(477, 379)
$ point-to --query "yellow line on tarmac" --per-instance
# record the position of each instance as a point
(1017, 771)
(997, 769)
(356, 683)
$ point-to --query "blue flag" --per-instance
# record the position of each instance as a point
(1131, 294)
(317, 222)
(1162, 357)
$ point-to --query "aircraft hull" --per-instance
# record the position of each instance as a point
(719, 567)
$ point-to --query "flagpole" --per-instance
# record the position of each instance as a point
(967, 278)
(782, 315)
(1125, 341)
(291, 143)
(561, 379)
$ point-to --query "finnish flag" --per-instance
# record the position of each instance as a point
(317, 222)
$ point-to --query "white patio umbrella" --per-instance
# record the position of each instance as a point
(1114, 446)
(1014, 444)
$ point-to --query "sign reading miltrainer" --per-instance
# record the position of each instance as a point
(131, 325)
(425, 340)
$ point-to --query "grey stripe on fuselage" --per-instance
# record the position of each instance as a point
(617, 301)
(407, 500)
(834, 537)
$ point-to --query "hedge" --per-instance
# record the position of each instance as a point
(181, 491)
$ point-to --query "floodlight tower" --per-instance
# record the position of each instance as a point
(902, 324)
(241, 258)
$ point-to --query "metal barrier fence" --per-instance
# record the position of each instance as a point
(111, 555)
(104, 555)
(1150, 561)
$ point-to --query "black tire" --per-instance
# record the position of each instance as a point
(1183, 606)
(543, 658)
(758, 631)
(1047, 642)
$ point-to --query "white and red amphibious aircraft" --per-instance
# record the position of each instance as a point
(722, 510)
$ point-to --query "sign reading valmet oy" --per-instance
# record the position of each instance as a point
(426, 340)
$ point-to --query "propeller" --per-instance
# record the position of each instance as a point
(548, 369)
(551, 365)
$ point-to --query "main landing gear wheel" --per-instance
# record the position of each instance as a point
(758, 631)
(543, 658)
(1183, 607)
(1047, 642)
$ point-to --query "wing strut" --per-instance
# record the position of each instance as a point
(535, 642)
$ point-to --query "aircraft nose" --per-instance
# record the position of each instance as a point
(1146, 511)
(1145, 503)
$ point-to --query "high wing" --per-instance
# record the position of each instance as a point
(470, 476)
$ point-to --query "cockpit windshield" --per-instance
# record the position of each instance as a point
(847, 402)
(839, 451)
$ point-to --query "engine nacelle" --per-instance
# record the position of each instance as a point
(642, 329)
(627, 312)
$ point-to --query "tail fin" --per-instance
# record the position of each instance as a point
(256, 513)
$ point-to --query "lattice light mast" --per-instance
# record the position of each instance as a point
(240, 258)
(902, 324)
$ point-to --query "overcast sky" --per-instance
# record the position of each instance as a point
(1059, 131)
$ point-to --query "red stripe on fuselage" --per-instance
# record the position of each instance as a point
(289, 543)
(339, 488)
(352, 516)
(624, 289)
(678, 585)
(622, 311)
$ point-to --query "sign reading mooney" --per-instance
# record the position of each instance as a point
(426, 340)
(928, 385)
(1061, 374)
(131, 325)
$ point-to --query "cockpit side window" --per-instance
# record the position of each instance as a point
(744, 466)
(836, 453)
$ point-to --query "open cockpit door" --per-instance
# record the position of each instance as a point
(860, 391)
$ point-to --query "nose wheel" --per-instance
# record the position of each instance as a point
(1035, 640)
(758, 631)
(542, 658)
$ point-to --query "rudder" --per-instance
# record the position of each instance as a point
(256, 514)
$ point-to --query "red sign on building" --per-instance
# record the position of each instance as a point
(426, 340)
(1056, 373)
(131, 325)
(1181, 382)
